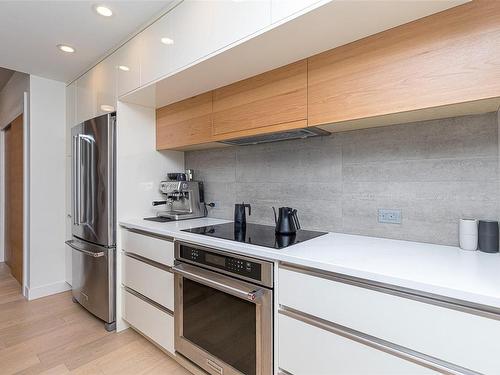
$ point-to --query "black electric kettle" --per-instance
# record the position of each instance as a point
(240, 219)
(287, 221)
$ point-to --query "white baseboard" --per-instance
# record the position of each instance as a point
(47, 290)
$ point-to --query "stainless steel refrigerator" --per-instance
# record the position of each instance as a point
(93, 216)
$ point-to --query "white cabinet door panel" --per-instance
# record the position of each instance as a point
(153, 248)
(179, 38)
(85, 97)
(151, 321)
(281, 9)
(152, 282)
(235, 20)
(105, 85)
(156, 56)
(307, 350)
(128, 63)
(191, 30)
(460, 338)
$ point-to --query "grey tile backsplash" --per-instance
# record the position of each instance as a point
(434, 171)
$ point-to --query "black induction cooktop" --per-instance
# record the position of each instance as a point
(255, 234)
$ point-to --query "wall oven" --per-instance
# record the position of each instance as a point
(223, 310)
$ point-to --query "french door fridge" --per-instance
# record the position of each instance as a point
(93, 216)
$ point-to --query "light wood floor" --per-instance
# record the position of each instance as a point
(52, 335)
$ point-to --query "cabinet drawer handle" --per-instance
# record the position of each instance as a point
(150, 262)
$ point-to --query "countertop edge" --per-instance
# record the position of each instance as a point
(263, 253)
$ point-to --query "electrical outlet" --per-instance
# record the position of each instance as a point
(389, 216)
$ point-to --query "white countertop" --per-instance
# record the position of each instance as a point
(443, 270)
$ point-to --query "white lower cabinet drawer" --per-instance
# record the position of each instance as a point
(456, 337)
(308, 350)
(154, 248)
(152, 282)
(154, 323)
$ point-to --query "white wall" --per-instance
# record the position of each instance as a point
(11, 106)
(140, 168)
(47, 187)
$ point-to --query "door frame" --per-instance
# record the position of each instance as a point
(26, 194)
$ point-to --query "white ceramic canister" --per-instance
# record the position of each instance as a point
(468, 234)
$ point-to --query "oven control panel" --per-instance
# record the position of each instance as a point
(230, 264)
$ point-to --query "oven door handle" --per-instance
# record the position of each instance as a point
(205, 277)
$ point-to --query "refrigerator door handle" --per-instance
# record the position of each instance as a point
(72, 244)
(75, 180)
(79, 178)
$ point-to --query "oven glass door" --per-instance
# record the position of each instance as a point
(221, 324)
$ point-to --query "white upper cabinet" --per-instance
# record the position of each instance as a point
(128, 63)
(177, 39)
(85, 97)
(235, 20)
(104, 75)
(192, 28)
(189, 32)
(195, 29)
(281, 9)
(157, 50)
(96, 90)
(70, 114)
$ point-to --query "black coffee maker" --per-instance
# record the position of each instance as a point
(287, 221)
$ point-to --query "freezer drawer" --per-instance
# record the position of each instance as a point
(93, 286)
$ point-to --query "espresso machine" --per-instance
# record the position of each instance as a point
(184, 200)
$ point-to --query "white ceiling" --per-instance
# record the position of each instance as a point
(30, 31)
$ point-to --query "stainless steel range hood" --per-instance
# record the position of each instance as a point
(276, 137)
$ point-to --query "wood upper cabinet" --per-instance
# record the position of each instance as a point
(446, 58)
(272, 101)
(185, 123)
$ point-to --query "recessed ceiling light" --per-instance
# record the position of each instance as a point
(66, 48)
(103, 10)
(125, 68)
(167, 41)
(107, 108)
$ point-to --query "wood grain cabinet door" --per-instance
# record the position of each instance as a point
(185, 123)
(446, 58)
(272, 101)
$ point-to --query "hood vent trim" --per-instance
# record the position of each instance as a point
(301, 133)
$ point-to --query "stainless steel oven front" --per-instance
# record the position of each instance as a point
(223, 310)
